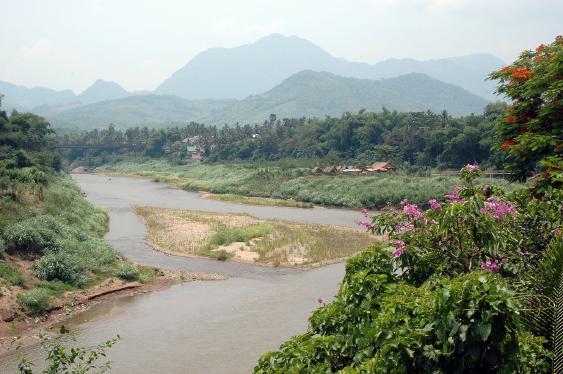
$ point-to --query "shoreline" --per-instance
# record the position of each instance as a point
(22, 331)
(205, 194)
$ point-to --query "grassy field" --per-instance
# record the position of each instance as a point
(253, 180)
(246, 238)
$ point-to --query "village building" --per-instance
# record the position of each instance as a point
(194, 152)
(381, 167)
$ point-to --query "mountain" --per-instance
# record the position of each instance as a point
(317, 94)
(307, 93)
(226, 73)
(102, 90)
(23, 98)
(137, 110)
(238, 72)
(46, 101)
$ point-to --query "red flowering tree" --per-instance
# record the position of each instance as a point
(531, 130)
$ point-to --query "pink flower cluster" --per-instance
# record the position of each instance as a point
(472, 167)
(490, 265)
(365, 212)
(404, 227)
(365, 224)
(497, 208)
(399, 249)
(412, 210)
(454, 197)
(434, 204)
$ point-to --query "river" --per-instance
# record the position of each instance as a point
(201, 326)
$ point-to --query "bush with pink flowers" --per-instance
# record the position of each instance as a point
(456, 289)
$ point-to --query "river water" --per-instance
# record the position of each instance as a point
(202, 326)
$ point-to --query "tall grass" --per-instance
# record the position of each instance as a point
(63, 234)
(12, 275)
(264, 180)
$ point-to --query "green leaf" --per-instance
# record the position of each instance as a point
(484, 330)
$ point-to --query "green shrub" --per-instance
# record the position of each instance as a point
(376, 324)
(11, 274)
(34, 235)
(227, 235)
(63, 200)
(60, 266)
(93, 254)
(128, 272)
(35, 301)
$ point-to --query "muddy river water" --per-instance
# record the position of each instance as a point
(201, 326)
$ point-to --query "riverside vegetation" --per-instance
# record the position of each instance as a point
(473, 284)
(291, 182)
(51, 246)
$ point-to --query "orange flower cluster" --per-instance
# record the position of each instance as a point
(511, 119)
(507, 144)
(521, 73)
(540, 48)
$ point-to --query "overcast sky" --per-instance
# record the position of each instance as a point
(138, 43)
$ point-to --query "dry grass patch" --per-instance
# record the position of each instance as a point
(246, 238)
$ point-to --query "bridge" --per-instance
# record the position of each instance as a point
(101, 146)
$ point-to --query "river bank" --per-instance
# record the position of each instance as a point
(21, 331)
(188, 325)
(292, 183)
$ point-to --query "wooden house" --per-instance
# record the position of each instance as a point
(381, 167)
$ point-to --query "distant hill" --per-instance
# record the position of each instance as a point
(46, 101)
(225, 73)
(139, 110)
(307, 93)
(314, 94)
(102, 90)
(23, 98)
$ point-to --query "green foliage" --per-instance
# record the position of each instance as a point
(34, 235)
(228, 235)
(378, 324)
(128, 272)
(292, 181)
(13, 211)
(445, 296)
(64, 201)
(35, 301)
(76, 360)
(532, 129)
(11, 274)
(60, 266)
(424, 139)
(55, 288)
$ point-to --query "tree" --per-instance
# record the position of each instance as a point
(531, 129)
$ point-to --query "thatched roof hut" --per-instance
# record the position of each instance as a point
(381, 167)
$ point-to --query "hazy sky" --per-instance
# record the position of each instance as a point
(138, 43)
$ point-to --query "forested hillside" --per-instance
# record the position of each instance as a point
(418, 138)
(305, 94)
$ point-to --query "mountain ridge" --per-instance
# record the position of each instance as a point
(256, 67)
(304, 94)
